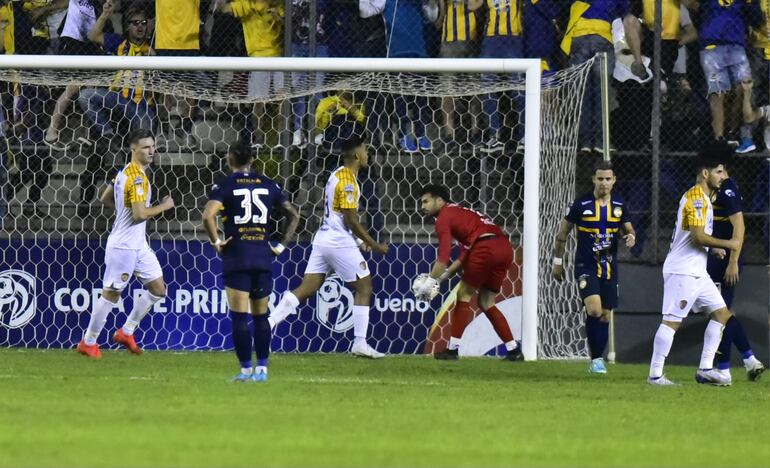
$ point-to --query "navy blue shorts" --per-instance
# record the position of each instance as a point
(258, 283)
(717, 269)
(606, 289)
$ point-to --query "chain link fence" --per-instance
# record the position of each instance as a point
(657, 123)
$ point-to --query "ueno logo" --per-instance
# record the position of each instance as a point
(18, 300)
(335, 305)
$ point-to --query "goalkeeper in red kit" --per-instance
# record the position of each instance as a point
(485, 260)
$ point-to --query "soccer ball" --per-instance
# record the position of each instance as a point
(419, 284)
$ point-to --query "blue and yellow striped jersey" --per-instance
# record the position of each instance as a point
(598, 232)
(504, 18)
(459, 23)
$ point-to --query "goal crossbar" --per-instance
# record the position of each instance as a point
(530, 67)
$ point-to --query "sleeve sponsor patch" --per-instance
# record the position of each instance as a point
(138, 180)
(350, 192)
(698, 205)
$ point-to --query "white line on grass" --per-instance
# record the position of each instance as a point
(357, 380)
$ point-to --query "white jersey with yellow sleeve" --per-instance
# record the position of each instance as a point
(341, 192)
(685, 257)
(130, 186)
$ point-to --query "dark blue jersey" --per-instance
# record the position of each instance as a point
(248, 200)
(541, 38)
(728, 201)
(598, 231)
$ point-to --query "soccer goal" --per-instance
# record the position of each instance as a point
(499, 135)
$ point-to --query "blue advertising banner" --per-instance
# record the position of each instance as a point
(47, 290)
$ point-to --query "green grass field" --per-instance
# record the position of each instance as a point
(178, 409)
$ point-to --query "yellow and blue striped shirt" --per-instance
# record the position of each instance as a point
(504, 18)
(459, 22)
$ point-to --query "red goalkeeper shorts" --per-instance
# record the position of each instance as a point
(487, 264)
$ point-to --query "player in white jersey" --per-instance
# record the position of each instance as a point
(128, 253)
(686, 283)
(337, 247)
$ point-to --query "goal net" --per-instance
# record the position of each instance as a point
(425, 127)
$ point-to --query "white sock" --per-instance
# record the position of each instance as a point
(664, 338)
(260, 370)
(511, 345)
(285, 307)
(360, 322)
(141, 308)
(246, 370)
(711, 339)
(454, 343)
(102, 307)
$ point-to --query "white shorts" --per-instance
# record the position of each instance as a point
(262, 83)
(347, 262)
(121, 264)
(683, 293)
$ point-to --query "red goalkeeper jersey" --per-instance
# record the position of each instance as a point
(462, 224)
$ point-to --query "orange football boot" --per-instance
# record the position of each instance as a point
(91, 351)
(126, 340)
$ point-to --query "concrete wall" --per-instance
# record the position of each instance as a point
(638, 316)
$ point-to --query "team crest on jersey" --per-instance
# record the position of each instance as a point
(617, 212)
(729, 193)
(138, 180)
(334, 308)
(18, 301)
(582, 282)
(124, 277)
(362, 265)
(682, 304)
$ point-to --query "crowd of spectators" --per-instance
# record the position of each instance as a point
(711, 51)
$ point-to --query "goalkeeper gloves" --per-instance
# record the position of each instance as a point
(425, 288)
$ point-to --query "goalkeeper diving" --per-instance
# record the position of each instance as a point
(485, 260)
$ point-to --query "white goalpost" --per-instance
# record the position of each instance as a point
(51, 261)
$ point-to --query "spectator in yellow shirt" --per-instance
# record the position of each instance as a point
(262, 22)
(177, 33)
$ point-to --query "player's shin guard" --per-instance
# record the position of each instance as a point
(722, 360)
(287, 306)
(360, 322)
(710, 343)
(142, 307)
(500, 324)
(461, 317)
(739, 337)
(102, 307)
(664, 338)
(597, 333)
(242, 338)
(262, 336)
